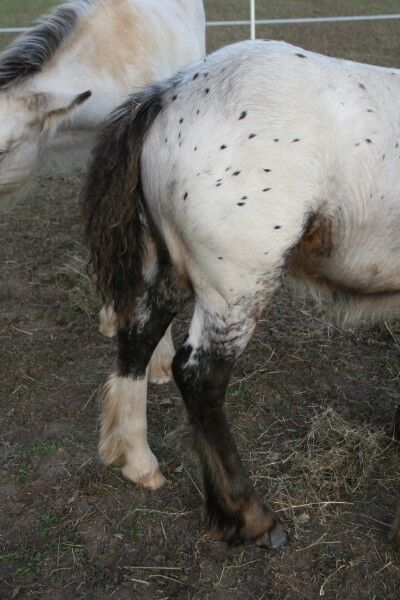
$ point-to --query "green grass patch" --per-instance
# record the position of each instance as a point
(48, 523)
(26, 458)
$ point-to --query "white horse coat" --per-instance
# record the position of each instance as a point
(106, 48)
(283, 137)
(262, 161)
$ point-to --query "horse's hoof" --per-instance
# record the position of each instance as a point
(160, 377)
(152, 482)
(273, 540)
(262, 528)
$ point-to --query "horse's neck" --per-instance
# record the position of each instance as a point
(88, 60)
(72, 74)
(112, 68)
(73, 78)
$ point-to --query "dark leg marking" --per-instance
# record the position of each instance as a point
(232, 510)
(155, 311)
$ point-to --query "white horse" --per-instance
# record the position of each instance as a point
(61, 79)
(264, 160)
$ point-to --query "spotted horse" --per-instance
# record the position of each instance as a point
(261, 162)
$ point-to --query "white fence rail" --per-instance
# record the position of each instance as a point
(390, 17)
(306, 20)
(253, 22)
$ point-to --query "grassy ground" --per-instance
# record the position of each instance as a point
(311, 407)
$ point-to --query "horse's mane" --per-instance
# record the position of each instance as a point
(27, 55)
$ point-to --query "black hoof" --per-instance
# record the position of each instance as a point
(275, 539)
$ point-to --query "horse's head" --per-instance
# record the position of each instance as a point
(26, 120)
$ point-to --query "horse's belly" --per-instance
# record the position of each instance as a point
(361, 261)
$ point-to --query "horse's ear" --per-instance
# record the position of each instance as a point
(62, 106)
(50, 107)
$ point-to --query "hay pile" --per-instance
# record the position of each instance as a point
(336, 458)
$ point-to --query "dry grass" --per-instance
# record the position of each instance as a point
(80, 289)
(338, 457)
(329, 470)
(331, 464)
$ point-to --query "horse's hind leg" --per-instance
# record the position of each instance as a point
(123, 437)
(161, 360)
(202, 369)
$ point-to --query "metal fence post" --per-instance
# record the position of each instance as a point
(253, 19)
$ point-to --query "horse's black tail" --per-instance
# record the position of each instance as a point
(115, 229)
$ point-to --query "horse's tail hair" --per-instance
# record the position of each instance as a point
(115, 225)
